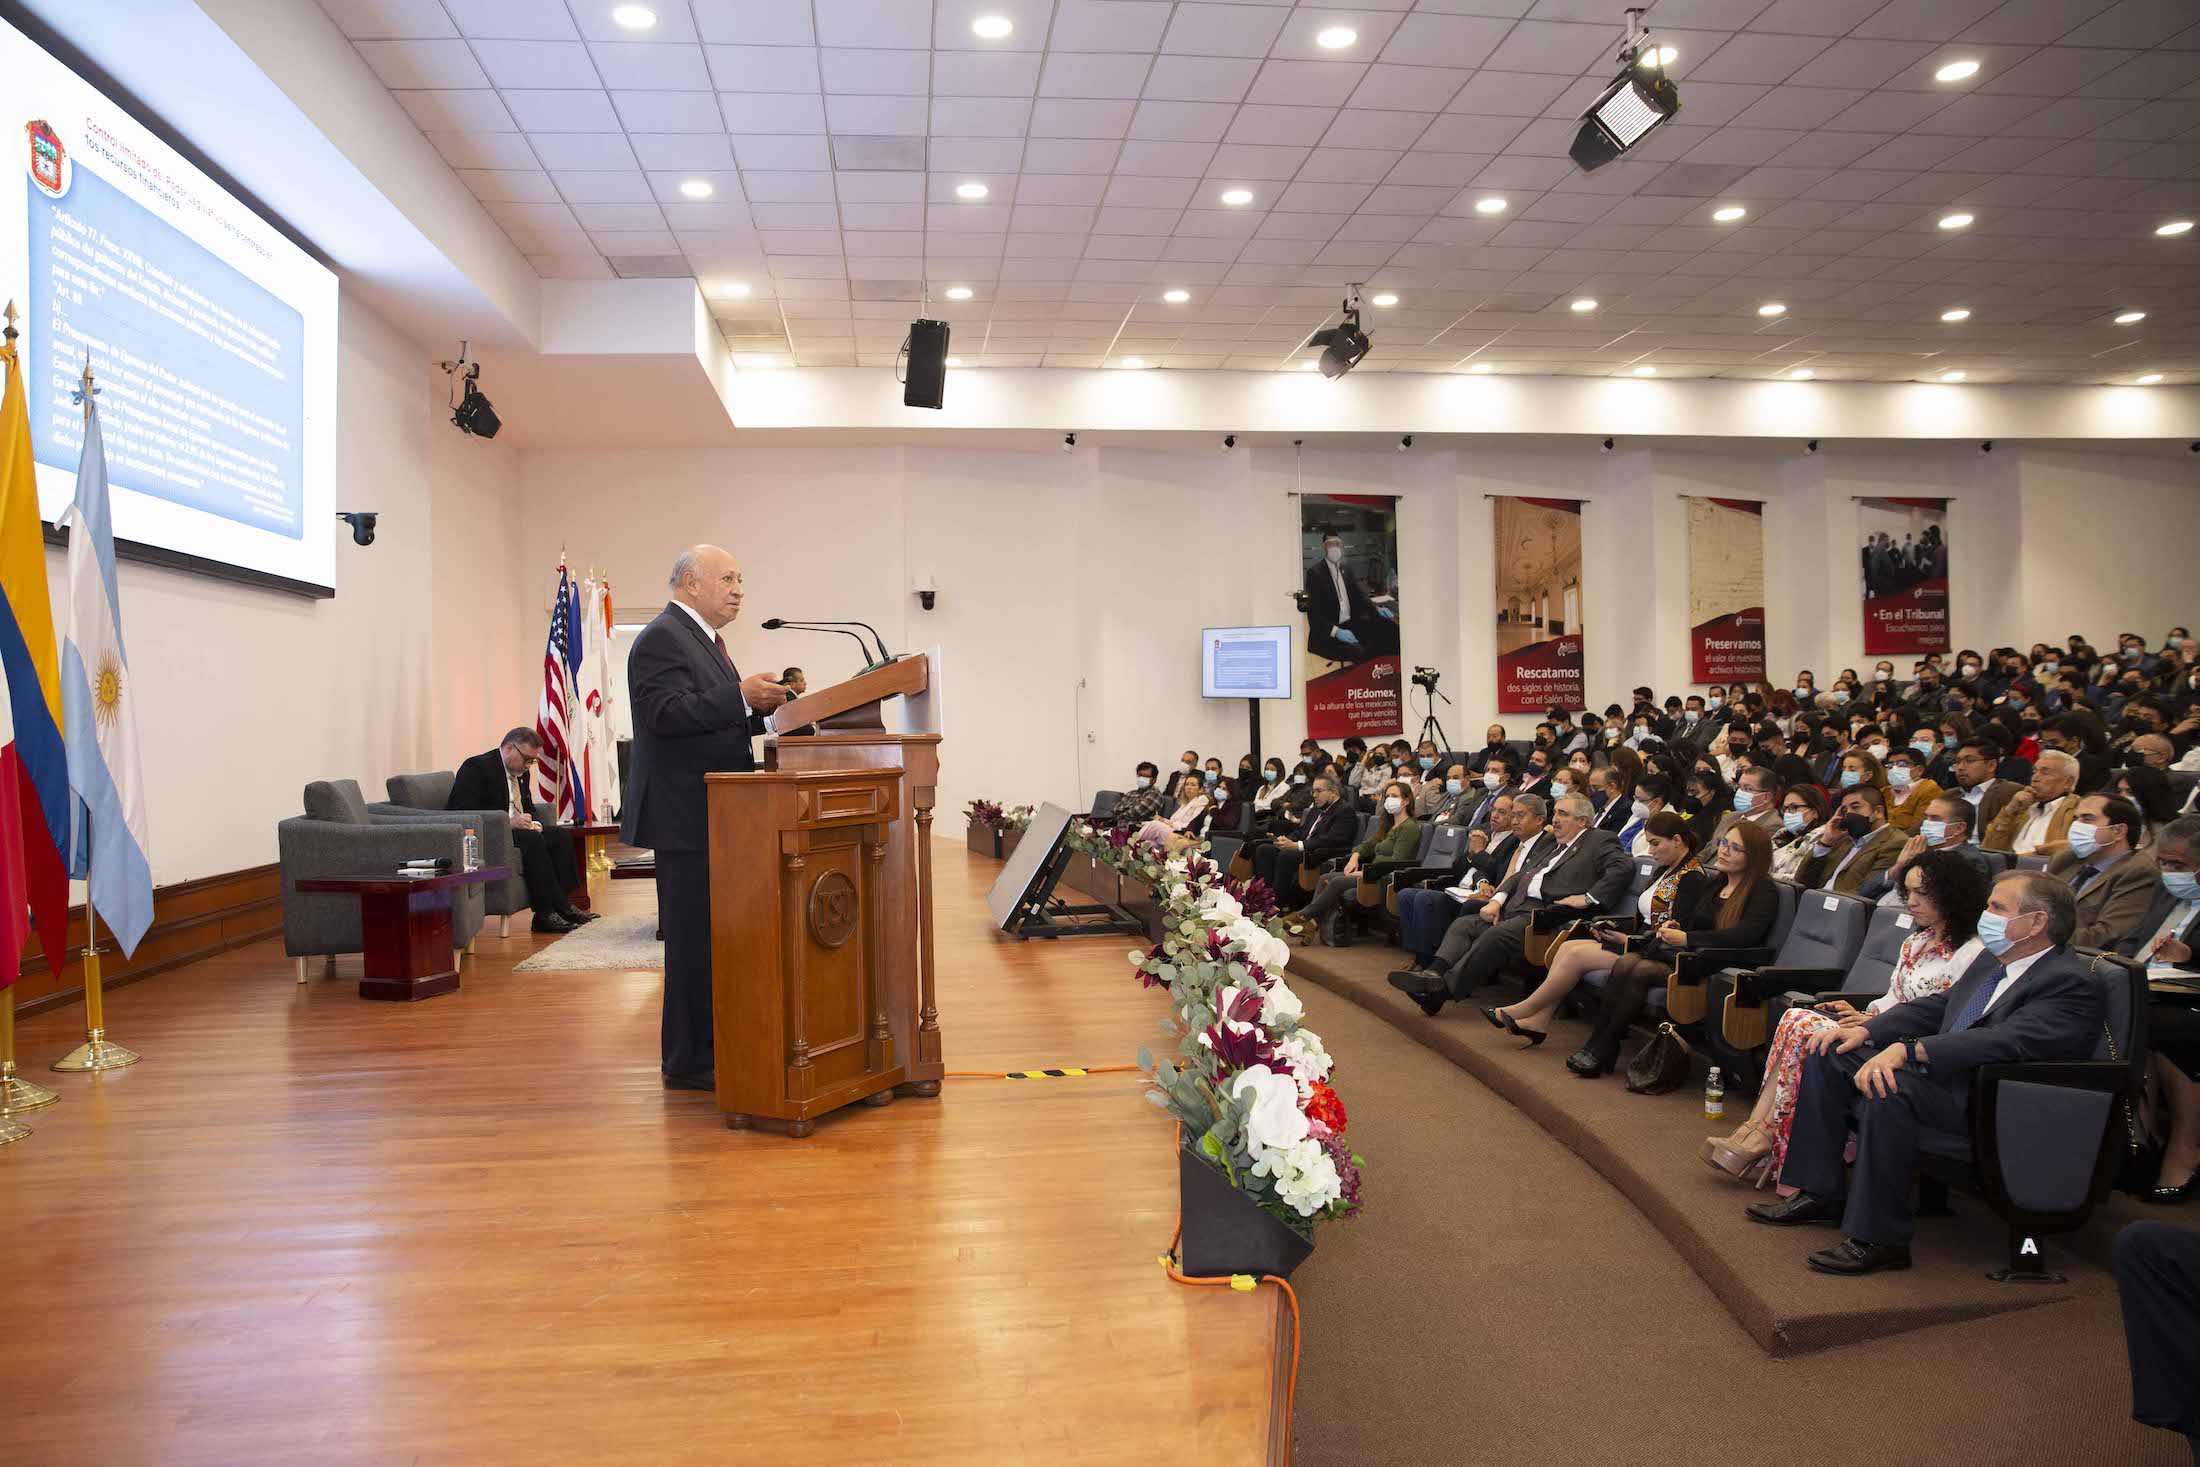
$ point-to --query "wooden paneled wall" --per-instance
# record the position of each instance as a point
(191, 920)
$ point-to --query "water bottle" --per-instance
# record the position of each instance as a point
(473, 849)
(1714, 1096)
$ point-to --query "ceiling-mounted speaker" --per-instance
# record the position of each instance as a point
(925, 384)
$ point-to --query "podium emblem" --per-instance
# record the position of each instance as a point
(832, 909)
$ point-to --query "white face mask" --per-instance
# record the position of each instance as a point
(1144, 782)
(1393, 805)
(1334, 555)
(1491, 780)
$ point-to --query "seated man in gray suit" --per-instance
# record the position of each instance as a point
(1909, 1070)
(1575, 866)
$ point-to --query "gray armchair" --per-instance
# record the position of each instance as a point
(410, 794)
(339, 836)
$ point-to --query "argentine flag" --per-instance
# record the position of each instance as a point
(107, 846)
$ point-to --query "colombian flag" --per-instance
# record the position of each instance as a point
(33, 765)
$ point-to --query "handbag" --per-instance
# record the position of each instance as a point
(1662, 1065)
(2139, 1156)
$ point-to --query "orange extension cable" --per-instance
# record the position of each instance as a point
(1245, 1283)
(1062, 1073)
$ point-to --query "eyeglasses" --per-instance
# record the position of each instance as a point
(1732, 847)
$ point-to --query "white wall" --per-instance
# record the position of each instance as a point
(1071, 585)
(244, 695)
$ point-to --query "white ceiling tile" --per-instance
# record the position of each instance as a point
(605, 187)
(763, 68)
(984, 74)
(423, 65)
(804, 150)
(796, 186)
(1200, 78)
(1860, 63)
(1255, 160)
(1549, 46)
(877, 116)
(1306, 83)
(1374, 27)
(799, 241)
(1203, 122)
(646, 66)
(457, 111)
(1448, 170)
(892, 23)
(1223, 30)
(1164, 159)
(628, 215)
(1070, 155)
(545, 20)
(669, 190)
(795, 216)
(390, 20)
(562, 111)
(2051, 71)
(878, 188)
(1507, 94)
(1461, 41)
(1357, 127)
(1798, 108)
(1455, 133)
(1291, 126)
(1753, 57)
(876, 73)
(484, 149)
(747, 23)
(994, 117)
(723, 216)
(682, 150)
(1150, 193)
(532, 216)
(671, 111)
(979, 155)
(1108, 25)
(1813, 17)
(519, 186)
(537, 64)
(2133, 23)
(1408, 88)
(1093, 74)
(1323, 198)
(582, 151)
(763, 112)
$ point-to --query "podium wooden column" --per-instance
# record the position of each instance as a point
(855, 743)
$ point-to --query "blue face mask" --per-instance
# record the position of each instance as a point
(1923, 746)
(1454, 786)
(1899, 776)
(1428, 761)
(1850, 777)
(1744, 801)
(1933, 831)
(2084, 839)
(2183, 885)
(1797, 821)
(1214, 776)
(1993, 932)
(2016, 704)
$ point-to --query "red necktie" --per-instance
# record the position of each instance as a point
(720, 643)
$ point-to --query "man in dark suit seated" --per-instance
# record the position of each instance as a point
(1575, 867)
(498, 780)
(1342, 623)
(1909, 1070)
(1329, 828)
(1426, 904)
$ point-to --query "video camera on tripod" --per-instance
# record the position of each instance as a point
(1424, 678)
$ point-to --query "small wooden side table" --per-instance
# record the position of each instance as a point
(406, 925)
(589, 842)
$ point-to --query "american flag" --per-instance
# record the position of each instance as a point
(556, 778)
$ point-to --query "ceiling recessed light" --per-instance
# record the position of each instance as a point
(1730, 213)
(1385, 299)
(991, 27)
(737, 289)
(1951, 376)
(958, 292)
(1954, 221)
(1956, 71)
(1235, 197)
(1336, 37)
(696, 188)
(1585, 304)
(2150, 379)
(954, 361)
(1481, 367)
(1801, 374)
(1646, 371)
(1490, 205)
(633, 17)
(1657, 56)
(2130, 316)
(2175, 226)
(1176, 297)
(1132, 362)
(971, 190)
(1958, 314)
(1772, 308)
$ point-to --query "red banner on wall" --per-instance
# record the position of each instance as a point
(1348, 556)
(1538, 559)
(1726, 589)
(1903, 574)
(1362, 699)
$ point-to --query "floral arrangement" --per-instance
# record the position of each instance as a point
(1249, 1081)
(1001, 818)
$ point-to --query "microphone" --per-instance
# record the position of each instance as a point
(884, 656)
(776, 623)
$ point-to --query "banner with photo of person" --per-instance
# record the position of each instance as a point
(1538, 543)
(1348, 559)
(1903, 571)
(1726, 590)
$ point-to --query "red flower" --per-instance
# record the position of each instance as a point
(1325, 1107)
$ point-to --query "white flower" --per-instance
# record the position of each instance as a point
(1271, 952)
(1218, 906)
(1276, 1120)
(1306, 1179)
(1303, 1051)
(1280, 1006)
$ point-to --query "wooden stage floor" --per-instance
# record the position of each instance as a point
(476, 1230)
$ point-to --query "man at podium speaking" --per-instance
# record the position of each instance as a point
(694, 714)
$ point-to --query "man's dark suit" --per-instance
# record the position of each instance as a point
(2053, 1012)
(1615, 817)
(545, 856)
(1426, 911)
(2130, 943)
(689, 720)
(1323, 832)
(1376, 633)
(1475, 952)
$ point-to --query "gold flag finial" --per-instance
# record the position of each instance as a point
(12, 316)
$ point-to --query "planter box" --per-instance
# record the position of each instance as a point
(1226, 1232)
(984, 840)
(1009, 842)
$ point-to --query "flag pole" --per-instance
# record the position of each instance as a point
(17, 1097)
(97, 1052)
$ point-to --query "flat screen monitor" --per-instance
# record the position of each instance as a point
(211, 336)
(1245, 662)
(1015, 888)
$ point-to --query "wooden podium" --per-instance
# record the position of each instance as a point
(822, 949)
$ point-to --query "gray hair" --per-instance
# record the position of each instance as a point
(1531, 804)
(1578, 806)
(2184, 831)
(682, 569)
(2057, 759)
(2039, 892)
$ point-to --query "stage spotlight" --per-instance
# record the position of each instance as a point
(1343, 347)
(1229, 441)
(471, 414)
(361, 522)
(1405, 443)
(1606, 447)
(1624, 112)
(1069, 443)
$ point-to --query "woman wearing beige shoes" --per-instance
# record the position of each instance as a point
(1945, 893)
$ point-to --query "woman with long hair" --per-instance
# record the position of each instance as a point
(1673, 848)
(1736, 908)
(1804, 814)
(1946, 893)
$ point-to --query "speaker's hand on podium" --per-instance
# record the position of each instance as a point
(762, 693)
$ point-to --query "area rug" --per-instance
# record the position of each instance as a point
(606, 943)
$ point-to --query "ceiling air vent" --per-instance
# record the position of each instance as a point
(879, 154)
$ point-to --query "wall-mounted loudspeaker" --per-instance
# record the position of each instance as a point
(925, 386)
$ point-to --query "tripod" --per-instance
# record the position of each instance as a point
(1431, 730)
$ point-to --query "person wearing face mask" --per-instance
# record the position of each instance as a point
(1394, 845)
(1274, 784)
(1946, 827)
(1143, 800)
(1497, 779)
(1613, 813)
(1909, 1070)
(1430, 898)
(1806, 822)
(1653, 794)
(2167, 938)
(1861, 846)
(1193, 816)
(1342, 622)
(1756, 798)
(1536, 779)
(1493, 747)
(1455, 797)
(2112, 880)
(1909, 792)
(1326, 831)
(2036, 821)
